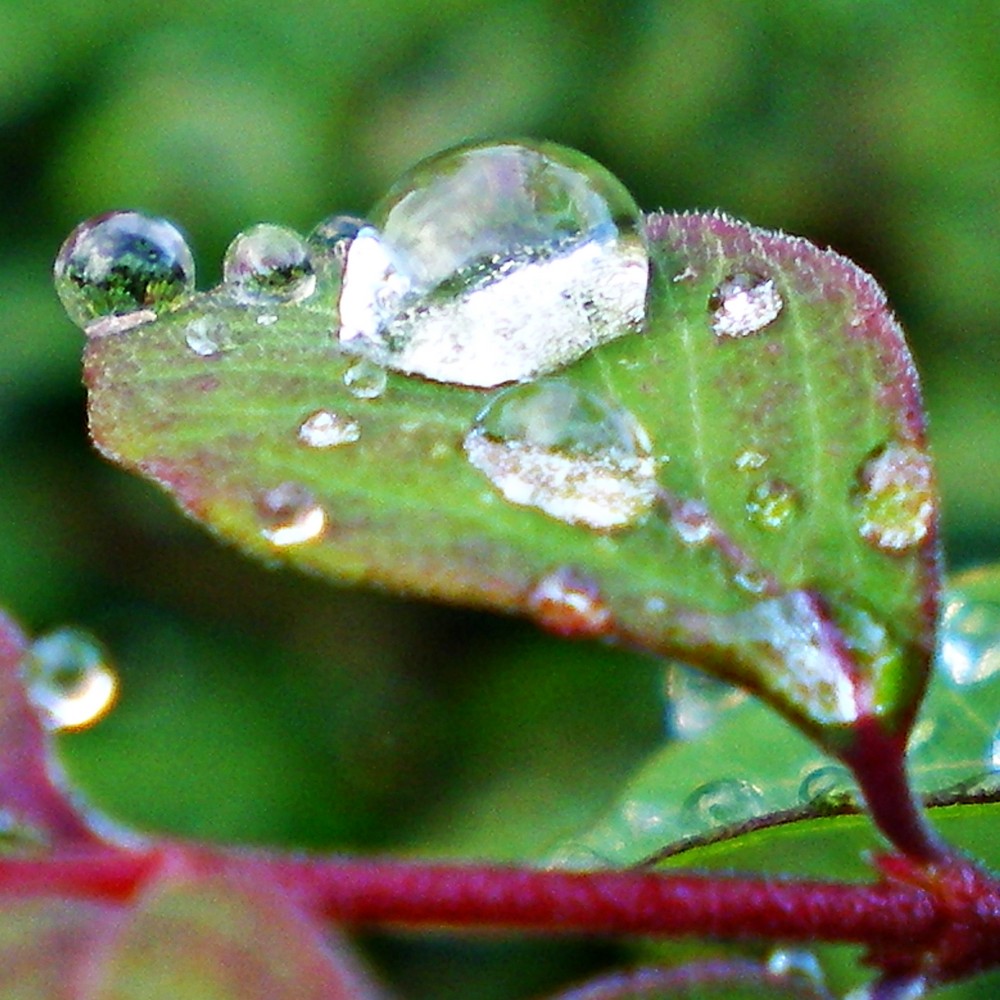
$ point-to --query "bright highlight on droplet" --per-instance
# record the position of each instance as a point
(725, 802)
(566, 452)
(969, 650)
(325, 429)
(121, 269)
(268, 265)
(290, 515)
(568, 603)
(744, 303)
(68, 679)
(895, 498)
(495, 263)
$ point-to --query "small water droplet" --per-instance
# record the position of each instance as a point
(829, 784)
(68, 679)
(725, 802)
(749, 459)
(568, 603)
(495, 263)
(692, 522)
(772, 504)
(207, 337)
(334, 235)
(797, 966)
(291, 515)
(325, 429)
(695, 701)
(644, 819)
(566, 452)
(365, 380)
(895, 498)
(118, 270)
(744, 303)
(969, 650)
(268, 265)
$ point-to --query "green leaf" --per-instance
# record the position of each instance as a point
(791, 544)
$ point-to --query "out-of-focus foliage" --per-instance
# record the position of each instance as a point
(872, 127)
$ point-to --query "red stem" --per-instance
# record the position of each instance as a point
(620, 902)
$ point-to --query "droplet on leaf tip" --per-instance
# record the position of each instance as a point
(744, 303)
(566, 452)
(895, 498)
(68, 678)
(567, 603)
(325, 429)
(268, 265)
(290, 515)
(119, 270)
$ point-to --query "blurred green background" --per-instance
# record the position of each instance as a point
(263, 706)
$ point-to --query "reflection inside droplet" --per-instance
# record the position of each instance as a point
(744, 303)
(267, 265)
(726, 802)
(566, 452)
(365, 380)
(68, 679)
(895, 498)
(291, 515)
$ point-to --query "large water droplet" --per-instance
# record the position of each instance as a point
(68, 679)
(118, 270)
(744, 303)
(568, 603)
(365, 380)
(325, 429)
(495, 263)
(268, 265)
(969, 650)
(565, 451)
(290, 515)
(725, 802)
(895, 498)
(772, 504)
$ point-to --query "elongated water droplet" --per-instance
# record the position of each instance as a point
(68, 679)
(566, 452)
(568, 603)
(290, 515)
(744, 303)
(365, 380)
(749, 459)
(325, 429)
(695, 701)
(495, 263)
(772, 504)
(118, 270)
(725, 802)
(969, 650)
(829, 784)
(268, 265)
(895, 498)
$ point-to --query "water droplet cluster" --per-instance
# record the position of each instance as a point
(566, 452)
(68, 679)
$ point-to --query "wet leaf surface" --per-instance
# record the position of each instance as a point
(790, 546)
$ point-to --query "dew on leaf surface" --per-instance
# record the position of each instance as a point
(67, 677)
(495, 263)
(772, 504)
(568, 603)
(969, 651)
(829, 784)
(692, 522)
(326, 429)
(695, 701)
(207, 337)
(743, 303)
(290, 515)
(566, 452)
(268, 265)
(749, 459)
(365, 380)
(724, 802)
(895, 498)
(118, 270)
